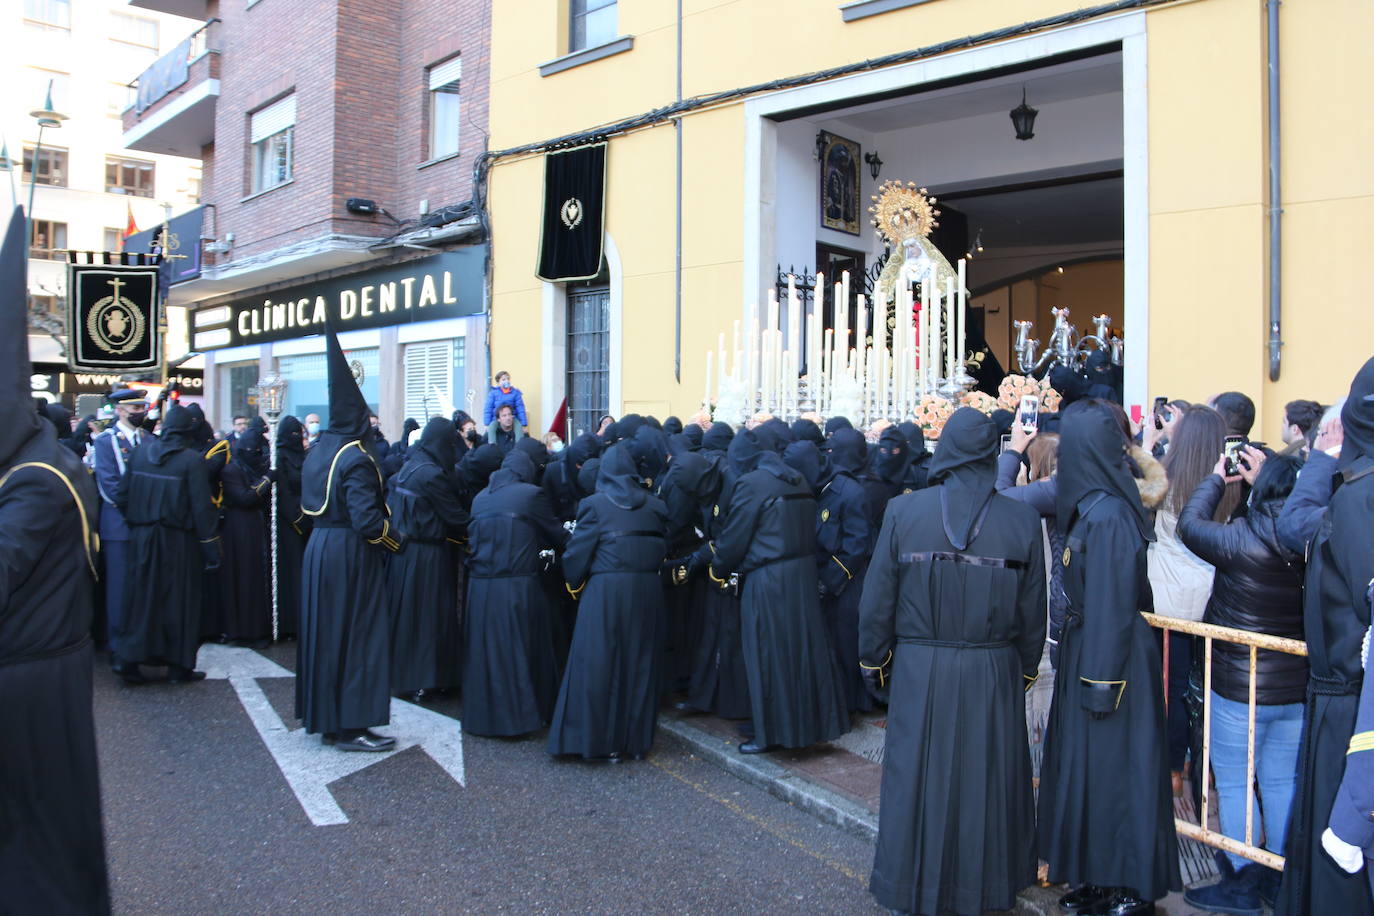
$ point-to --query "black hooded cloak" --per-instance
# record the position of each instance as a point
(691, 480)
(769, 539)
(173, 533)
(717, 439)
(608, 702)
(918, 457)
(293, 525)
(216, 459)
(422, 580)
(510, 663)
(844, 542)
(560, 477)
(806, 430)
(887, 468)
(955, 602)
(1106, 808)
(245, 578)
(1336, 617)
(52, 851)
(344, 654)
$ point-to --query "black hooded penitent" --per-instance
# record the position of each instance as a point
(965, 468)
(350, 419)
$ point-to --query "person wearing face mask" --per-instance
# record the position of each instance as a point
(312, 428)
(503, 394)
(110, 452)
(244, 582)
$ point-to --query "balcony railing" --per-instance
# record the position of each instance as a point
(172, 70)
(1200, 831)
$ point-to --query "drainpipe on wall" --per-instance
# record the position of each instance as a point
(1275, 198)
(677, 269)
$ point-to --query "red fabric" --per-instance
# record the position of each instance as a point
(560, 421)
(130, 227)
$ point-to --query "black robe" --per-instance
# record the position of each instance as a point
(718, 683)
(212, 604)
(245, 583)
(293, 526)
(608, 701)
(1106, 807)
(52, 851)
(343, 656)
(690, 479)
(173, 535)
(422, 580)
(1336, 617)
(510, 662)
(795, 693)
(958, 609)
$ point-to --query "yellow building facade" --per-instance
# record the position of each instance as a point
(1149, 169)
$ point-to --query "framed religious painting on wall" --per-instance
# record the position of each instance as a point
(839, 183)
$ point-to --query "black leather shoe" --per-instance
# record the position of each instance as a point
(128, 672)
(364, 740)
(1123, 902)
(328, 739)
(179, 675)
(684, 707)
(753, 747)
(1084, 898)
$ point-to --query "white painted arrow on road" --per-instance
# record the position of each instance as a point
(309, 766)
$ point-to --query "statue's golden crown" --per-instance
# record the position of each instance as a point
(902, 212)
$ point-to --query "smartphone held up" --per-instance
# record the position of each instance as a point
(1028, 415)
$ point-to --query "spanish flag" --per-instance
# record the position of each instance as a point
(130, 227)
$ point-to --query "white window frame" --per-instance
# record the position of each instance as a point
(574, 16)
(445, 79)
(271, 137)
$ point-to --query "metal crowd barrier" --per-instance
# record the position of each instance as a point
(1256, 641)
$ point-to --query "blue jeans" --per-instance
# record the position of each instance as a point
(1278, 730)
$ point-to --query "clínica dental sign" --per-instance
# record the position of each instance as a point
(445, 285)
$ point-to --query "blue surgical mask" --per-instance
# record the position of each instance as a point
(313, 428)
(556, 447)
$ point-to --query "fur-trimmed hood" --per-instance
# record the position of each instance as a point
(1154, 486)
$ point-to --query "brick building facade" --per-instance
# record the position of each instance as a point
(296, 109)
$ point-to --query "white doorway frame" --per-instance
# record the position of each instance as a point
(760, 155)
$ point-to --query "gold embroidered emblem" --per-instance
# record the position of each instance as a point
(571, 212)
(825, 515)
(1066, 556)
(116, 324)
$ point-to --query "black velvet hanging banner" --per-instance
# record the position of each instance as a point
(112, 316)
(574, 214)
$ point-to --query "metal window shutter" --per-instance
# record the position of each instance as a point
(450, 71)
(273, 119)
(428, 366)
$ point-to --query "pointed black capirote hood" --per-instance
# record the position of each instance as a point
(349, 415)
(965, 470)
(19, 422)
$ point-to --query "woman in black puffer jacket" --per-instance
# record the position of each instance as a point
(1258, 587)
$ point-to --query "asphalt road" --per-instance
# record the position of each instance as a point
(200, 819)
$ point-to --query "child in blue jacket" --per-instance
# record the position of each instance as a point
(502, 393)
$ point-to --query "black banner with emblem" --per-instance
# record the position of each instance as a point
(574, 214)
(112, 317)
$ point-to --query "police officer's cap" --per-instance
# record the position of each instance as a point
(128, 397)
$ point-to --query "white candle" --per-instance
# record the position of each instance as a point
(706, 395)
(861, 343)
(735, 350)
(949, 326)
(960, 312)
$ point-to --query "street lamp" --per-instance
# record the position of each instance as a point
(46, 116)
(271, 392)
(7, 166)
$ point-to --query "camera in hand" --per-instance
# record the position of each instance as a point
(1231, 452)
(1158, 411)
(1029, 414)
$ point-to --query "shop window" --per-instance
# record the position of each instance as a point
(444, 100)
(54, 15)
(307, 381)
(272, 136)
(49, 242)
(591, 23)
(589, 364)
(52, 166)
(434, 373)
(129, 176)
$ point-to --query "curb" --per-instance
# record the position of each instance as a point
(775, 779)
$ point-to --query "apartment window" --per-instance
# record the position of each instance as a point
(271, 133)
(118, 97)
(128, 176)
(114, 240)
(39, 81)
(49, 14)
(49, 241)
(133, 30)
(443, 107)
(52, 166)
(591, 23)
